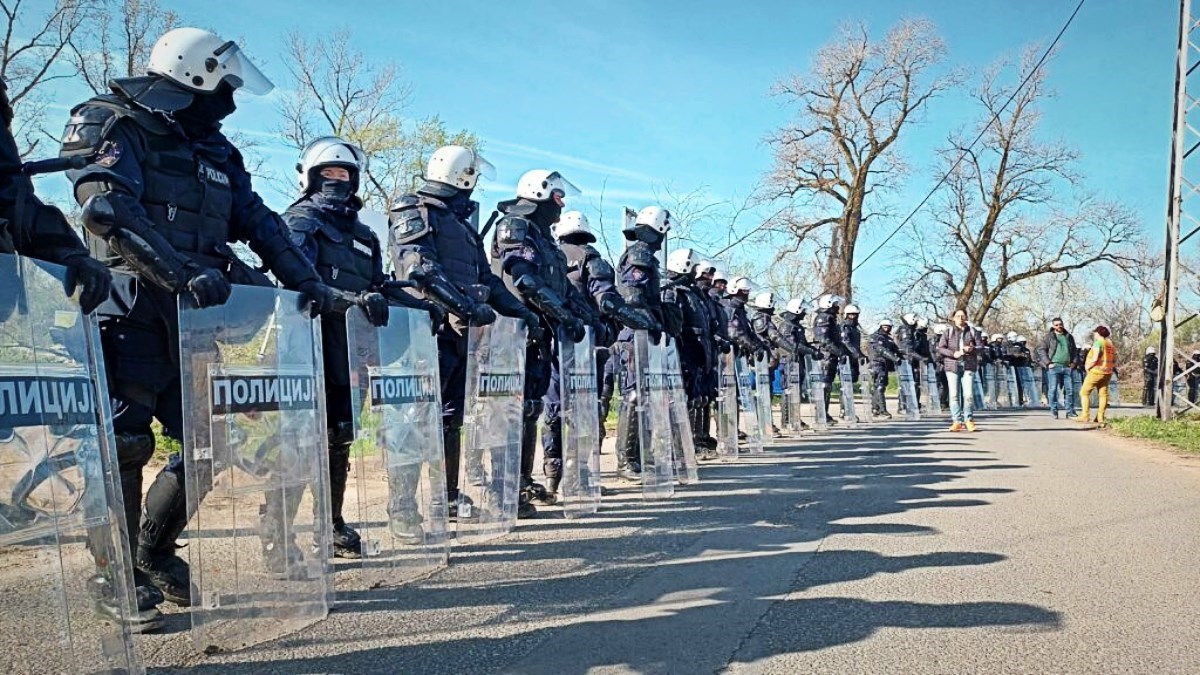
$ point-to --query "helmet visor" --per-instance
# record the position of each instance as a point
(484, 168)
(564, 187)
(237, 69)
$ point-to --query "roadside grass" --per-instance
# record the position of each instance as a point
(1182, 432)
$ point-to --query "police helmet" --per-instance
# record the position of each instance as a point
(199, 61)
(680, 260)
(719, 275)
(573, 222)
(886, 323)
(851, 309)
(796, 306)
(541, 185)
(654, 217)
(828, 301)
(704, 267)
(458, 166)
(740, 285)
(330, 151)
(764, 300)
(939, 328)
(910, 318)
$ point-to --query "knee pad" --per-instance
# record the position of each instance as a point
(341, 433)
(532, 409)
(134, 450)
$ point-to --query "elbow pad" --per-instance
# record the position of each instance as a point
(542, 297)
(144, 249)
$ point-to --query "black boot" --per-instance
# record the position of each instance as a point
(145, 618)
(346, 542)
(133, 451)
(163, 520)
(281, 556)
(404, 514)
(629, 465)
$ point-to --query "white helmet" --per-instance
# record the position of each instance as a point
(540, 185)
(996, 337)
(886, 323)
(1012, 336)
(740, 285)
(704, 267)
(680, 260)
(458, 166)
(655, 217)
(719, 275)
(939, 328)
(764, 300)
(910, 318)
(329, 151)
(828, 300)
(851, 309)
(572, 222)
(922, 323)
(1151, 350)
(200, 61)
(1021, 339)
(795, 306)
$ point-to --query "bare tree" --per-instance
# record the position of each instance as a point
(35, 40)
(118, 41)
(1000, 217)
(839, 150)
(337, 91)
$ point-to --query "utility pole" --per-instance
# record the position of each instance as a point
(1185, 142)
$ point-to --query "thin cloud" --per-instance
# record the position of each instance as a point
(566, 160)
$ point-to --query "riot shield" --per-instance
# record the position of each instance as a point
(654, 417)
(580, 412)
(727, 407)
(816, 392)
(748, 407)
(1033, 393)
(792, 400)
(257, 464)
(977, 385)
(1010, 380)
(762, 397)
(683, 444)
(65, 574)
(846, 378)
(933, 394)
(397, 488)
(908, 391)
(490, 467)
(1114, 390)
(991, 371)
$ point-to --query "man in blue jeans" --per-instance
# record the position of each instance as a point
(1054, 352)
(959, 347)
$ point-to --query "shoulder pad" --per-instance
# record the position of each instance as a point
(640, 255)
(87, 128)
(512, 230)
(407, 221)
(598, 268)
(301, 225)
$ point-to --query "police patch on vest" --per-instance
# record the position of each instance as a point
(393, 389)
(233, 393)
(109, 154)
(213, 176)
(37, 400)
(363, 248)
(500, 384)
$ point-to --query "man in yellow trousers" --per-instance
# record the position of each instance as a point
(1101, 360)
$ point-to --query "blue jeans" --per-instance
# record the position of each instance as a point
(962, 398)
(1058, 378)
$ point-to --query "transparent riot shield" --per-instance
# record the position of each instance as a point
(1114, 390)
(257, 464)
(991, 371)
(490, 466)
(65, 574)
(749, 423)
(977, 385)
(908, 391)
(727, 407)
(683, 444)
(1030, 388)
(846, 378)
(397, 487)
(653, 416)
(762, 398)
(792, 400)
(580, 412)
(931, 392)
(816, 392)
(1010, 380)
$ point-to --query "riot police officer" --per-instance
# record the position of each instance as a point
(828, 335)
(906, 341)
(792, 319)
(594, 278)
(640, 283)
(163, 195)
(697, 344)
(325, 225)
(852, 336)
(525, 255)
(434, 245)
(1149, 376)
(719, 330)
(779, 344)
(884, 357)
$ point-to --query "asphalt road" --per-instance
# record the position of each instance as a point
(1034, 546)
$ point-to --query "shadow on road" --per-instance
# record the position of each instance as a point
(608, 589)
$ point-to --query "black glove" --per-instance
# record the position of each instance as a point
(437, 315)
(318, 294)
(533, 328)
(376, 307)
(92, 277)
(724, 347)
(575, 330)
(481, 315)
(210, 288)
(862, 360)
(655, 336)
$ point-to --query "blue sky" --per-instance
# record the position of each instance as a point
(646, 94)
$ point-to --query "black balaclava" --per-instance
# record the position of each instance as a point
(461, 204)
(547, 213)
(204, 114)
(333, 191)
